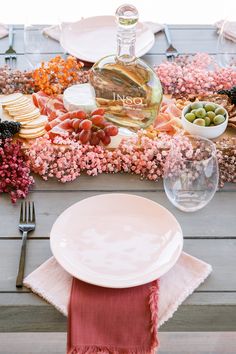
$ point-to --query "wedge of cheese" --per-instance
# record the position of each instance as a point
(78, 97)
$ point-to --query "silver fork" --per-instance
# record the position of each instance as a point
(27, 223)
(171, 52)
(10, 53)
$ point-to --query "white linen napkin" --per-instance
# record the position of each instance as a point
(227, 29)
(3, 30)
(51, 282)
(55, 31)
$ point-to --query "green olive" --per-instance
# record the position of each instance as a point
(210, 107)
(200, 121)
(196, 105)
(207, 121)
(219, 119)
(200, 113)
(193, 111)
(220, 111)
(211, 115)
(190, 117)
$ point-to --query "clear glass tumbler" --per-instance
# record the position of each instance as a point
(226, 45)
(191, 177)
(37, 46)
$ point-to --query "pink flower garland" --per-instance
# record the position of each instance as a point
(15, 176)
(67, 159)
(195, 75)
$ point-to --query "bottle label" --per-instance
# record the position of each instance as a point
(129, 101)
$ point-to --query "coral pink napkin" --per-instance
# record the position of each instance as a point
(3, 30)
(105, 320)
(227, 29)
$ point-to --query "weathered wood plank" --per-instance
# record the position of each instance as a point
(28, 313)
(219, 253)
(187, 41)
(215, 220)
(170, 342)
(107, 182)
(103, 182)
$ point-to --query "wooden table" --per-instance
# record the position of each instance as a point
(210, 234)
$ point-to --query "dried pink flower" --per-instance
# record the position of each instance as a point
(15, 176)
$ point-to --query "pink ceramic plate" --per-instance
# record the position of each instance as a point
(116, 240)
(93, 38)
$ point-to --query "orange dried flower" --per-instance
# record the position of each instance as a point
(54, 76)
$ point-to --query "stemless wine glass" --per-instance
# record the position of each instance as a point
(226, 45)
(37, 46)
(191, 176)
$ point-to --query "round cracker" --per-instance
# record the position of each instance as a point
(35, 123)
(20, 106)
(26, 131)
(21, 112)
(18, 102)
(36, 110)
(32, 136)
(28, 119)
(10, 98)
(35, 113)
(28, 104)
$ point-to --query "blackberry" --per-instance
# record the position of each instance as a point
(230, 93)
(8, 129)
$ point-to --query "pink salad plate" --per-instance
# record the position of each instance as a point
(93, 38)
(116, 240)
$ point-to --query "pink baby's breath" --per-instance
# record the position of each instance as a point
(66, 159)
(195, 75)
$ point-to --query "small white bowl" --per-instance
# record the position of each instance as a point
(210, 132)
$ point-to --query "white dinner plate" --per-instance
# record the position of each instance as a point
(93, 38)
(116, 240)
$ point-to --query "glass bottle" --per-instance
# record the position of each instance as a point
(125, 86)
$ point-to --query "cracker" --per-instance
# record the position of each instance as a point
(20, 106)
(34, 113)
(28, 119)
(18, 102)
(10, 98)
(32, 135)
(26, 110)
(35, 123)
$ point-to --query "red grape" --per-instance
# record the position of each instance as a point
(76, 124)
(94, 140)
(107, 123)
(101, 133)
(81, 115)
(98, 120)
(111, 130)
(106, 139)
(85, 136)
(99, 111)
(86, 124)
(93, 128)
(76, 136)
